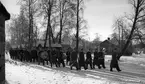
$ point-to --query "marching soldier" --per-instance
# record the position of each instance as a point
(101, 59)
(89, 59)
(34, 54)
(81, 60)
(54, 58)
(38, 53)
(73, 60)
(95, 60)
(60, 58)
(114, 61)
(68, 56)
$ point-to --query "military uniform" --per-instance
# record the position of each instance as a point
(114, 61)
(101, 60)
(73, 60)
(89, 60)
(81, 60)
(68, 57)
(95, 60)
(60, 58)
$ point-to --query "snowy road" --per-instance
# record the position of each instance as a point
(27, 73)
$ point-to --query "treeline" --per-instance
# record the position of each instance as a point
(59, 19)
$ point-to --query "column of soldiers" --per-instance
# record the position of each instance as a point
(80, 60)
(73, 59)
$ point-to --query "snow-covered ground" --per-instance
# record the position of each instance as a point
(28, 73)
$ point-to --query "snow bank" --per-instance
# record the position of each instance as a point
(134, 59)
(7, 56)
(22, 74)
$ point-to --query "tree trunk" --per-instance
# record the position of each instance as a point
(60, 36)
(47, 32)
(61, 19)
(29, 27)
(77, 33)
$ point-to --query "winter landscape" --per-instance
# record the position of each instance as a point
(37, 36)
(133, 72)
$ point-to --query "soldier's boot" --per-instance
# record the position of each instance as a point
(77, 68)
(111, 69)
(38, 63)
(70, 67)
(91, 66)
(57, 65)
(63, 64)
(103, 66)
(99, 67)
(47, 62)
(51, 65)
(117, 68)
(43, 63)
(86, 66)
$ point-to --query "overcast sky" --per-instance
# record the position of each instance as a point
(99, 14)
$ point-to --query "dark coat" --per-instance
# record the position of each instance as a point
(49, 54)
(34, 54)
(68, 55)
(81, 58)
(114, 61)
(96, 56)
(53, 57)
(27, 55)
(88, 57)
(73, 58)
(60, 56)
(101, 55)
(101, 58)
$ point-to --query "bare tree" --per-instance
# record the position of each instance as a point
(30, 11)
(47, 6)
(139, 6)
(119, 31)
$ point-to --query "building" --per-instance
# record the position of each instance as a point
(4, 15)
(108, 46)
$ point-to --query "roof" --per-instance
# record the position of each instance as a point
(47, 44)
(106, 43)
(4, 12)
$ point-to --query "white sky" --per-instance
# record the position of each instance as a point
(99, 14)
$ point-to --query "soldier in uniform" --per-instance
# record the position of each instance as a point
(34, 55)
(89, 59)
(95, 60)
(114, 61)
(60, 58)
(81, 60)
(38, 53)
(54, 57)
(73, 59)
(68, 56)
(101, 59)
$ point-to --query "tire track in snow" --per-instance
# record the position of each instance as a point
(120, 76)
